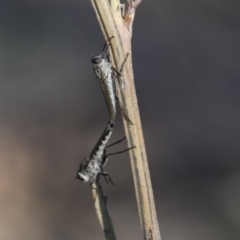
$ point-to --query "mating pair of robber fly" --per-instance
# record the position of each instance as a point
(92, 167)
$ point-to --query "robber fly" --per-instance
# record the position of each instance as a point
(104, 71)
(92, 167)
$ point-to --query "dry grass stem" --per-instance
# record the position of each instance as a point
(101, 209)
(116, 20)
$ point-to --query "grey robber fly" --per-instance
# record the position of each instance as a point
(104, 70)
(92, 167)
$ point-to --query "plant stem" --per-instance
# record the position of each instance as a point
(101, 208)
(112, 23)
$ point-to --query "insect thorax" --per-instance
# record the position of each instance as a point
(103, 70)
(91, 168)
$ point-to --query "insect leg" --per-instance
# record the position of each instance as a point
(119, 72)
(123, 110)
(121, 69)
(119, 151)
(106, 175)
(116, 142)
(106, 45)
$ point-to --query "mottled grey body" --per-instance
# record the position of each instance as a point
(104, 71)
(92, 166)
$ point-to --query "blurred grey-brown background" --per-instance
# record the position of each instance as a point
(186, 57)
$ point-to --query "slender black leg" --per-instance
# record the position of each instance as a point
(124, 62)
(119, 152)
(105, 177)
(107, 45)
(119, 73)
(105, 174)
(116, 142)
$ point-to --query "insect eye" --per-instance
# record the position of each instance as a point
(82, 177)
(96, 60)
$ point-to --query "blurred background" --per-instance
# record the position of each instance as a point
(186, 57)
